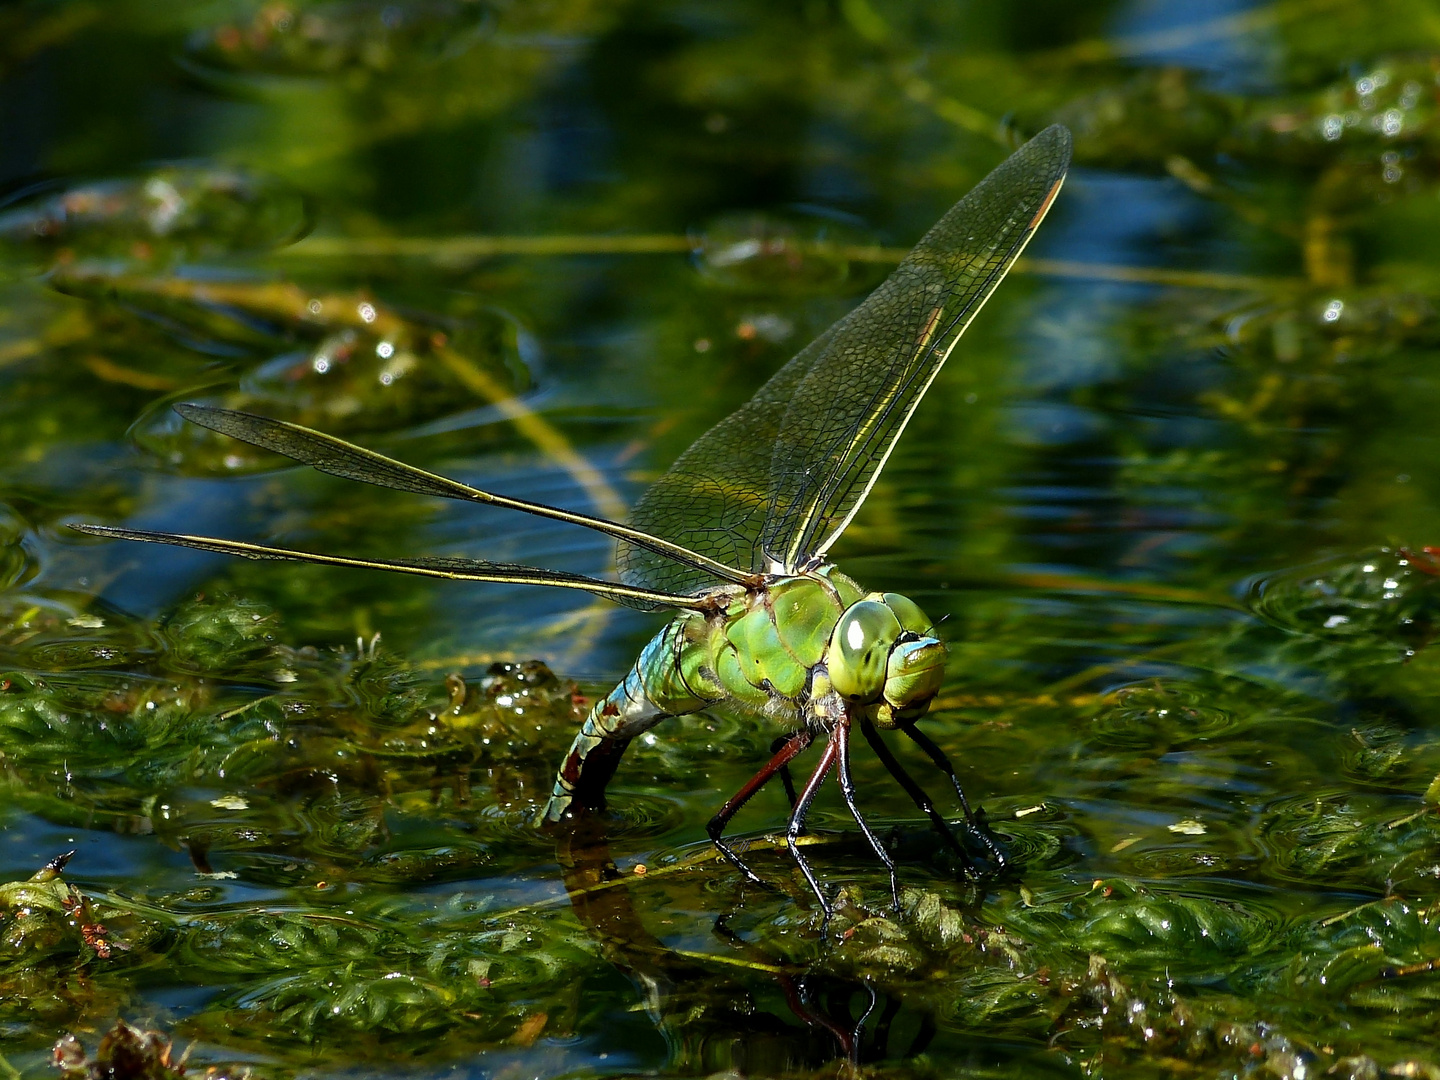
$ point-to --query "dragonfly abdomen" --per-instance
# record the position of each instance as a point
(673, 676)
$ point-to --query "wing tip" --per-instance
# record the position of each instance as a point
(1055, 143)
(86, 527)
(1057, 133)
(1046, 203)
(214, 417)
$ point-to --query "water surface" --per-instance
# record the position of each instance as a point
(1171, 499)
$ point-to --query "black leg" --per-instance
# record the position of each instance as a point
(785, 750)
(858, 1030)
(802, 808)
(915, 791)
(841, 736)
(941, 762)
(978, 827)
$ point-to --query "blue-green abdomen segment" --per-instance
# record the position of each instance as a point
(670, 678)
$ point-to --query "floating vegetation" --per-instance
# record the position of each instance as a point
(346, 362)
(123, 1051)
(1383, 595)
(765, 253)
(174, 212)
(1383, 111)
(341, 36)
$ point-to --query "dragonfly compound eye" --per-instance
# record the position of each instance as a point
(860, 650)
(908, 612)
(914, 671)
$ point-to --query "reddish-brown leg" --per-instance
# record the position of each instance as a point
(785, 778)
(802, 808)
(787, 751)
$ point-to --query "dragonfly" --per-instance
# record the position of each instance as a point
(735, 538)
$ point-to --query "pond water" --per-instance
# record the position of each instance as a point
(1170, 501)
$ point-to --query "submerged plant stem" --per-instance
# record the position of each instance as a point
(539, 431)
(449, 248)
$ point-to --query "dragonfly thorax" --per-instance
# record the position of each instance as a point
(808, 646)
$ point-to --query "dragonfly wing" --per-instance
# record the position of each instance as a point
(858, 393)
(713, 500)
(340, 458)
(778, 480)
(454, 569)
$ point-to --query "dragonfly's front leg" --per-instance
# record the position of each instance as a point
(976, 822)
(841, 737)
(785, 750)
(917, 794)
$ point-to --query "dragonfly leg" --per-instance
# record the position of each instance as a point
(858, 1031)
(841, 738)
(914, 790)
(785, 777)
(978, 827)
(784, 750)
(802, 808)
(942, 763)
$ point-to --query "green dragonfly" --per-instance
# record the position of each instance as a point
(735, 536)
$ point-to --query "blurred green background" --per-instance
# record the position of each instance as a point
(1171, 497)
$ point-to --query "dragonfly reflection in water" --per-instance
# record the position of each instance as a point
(728, 1017)
(735, 536)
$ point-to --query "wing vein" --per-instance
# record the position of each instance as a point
(340, 458)
(454, 569)
(771, 488)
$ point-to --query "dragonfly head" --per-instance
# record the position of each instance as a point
(881, 654)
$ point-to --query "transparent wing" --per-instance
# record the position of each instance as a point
(855, 400)
(436, 567)
(777, 482)
(713, 499)
(341, 458)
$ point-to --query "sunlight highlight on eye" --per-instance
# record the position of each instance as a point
(855, 635)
